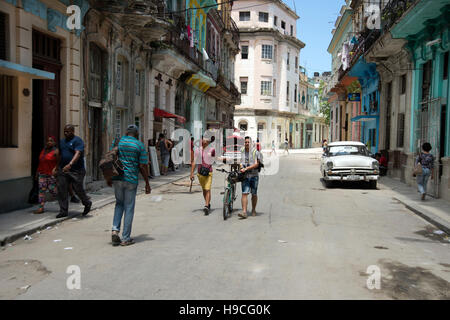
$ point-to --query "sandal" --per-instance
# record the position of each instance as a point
(242, 215)
(127, 243)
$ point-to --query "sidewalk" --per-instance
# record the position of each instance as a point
(17, 224)
(435, 211)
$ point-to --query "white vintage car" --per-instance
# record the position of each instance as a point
(349, 161)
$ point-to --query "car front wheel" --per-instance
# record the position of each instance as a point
(373, 184)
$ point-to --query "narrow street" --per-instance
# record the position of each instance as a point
(307, 242)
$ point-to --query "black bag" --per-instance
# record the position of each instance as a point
(204, 171)
(33, 196)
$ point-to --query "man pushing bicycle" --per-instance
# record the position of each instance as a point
(250, 163)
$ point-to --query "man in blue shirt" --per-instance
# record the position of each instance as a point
(71, 171)
(134, 158)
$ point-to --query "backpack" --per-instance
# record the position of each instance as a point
(110, 164)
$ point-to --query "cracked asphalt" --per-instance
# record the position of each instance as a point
(307, 242)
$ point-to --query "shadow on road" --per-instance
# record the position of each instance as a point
(142, 238)
(347, 185)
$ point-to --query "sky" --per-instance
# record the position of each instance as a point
(317, 18)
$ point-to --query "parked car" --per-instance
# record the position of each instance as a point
(349, 161)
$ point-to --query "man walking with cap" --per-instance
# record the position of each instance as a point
(71, 170)
(133, 155)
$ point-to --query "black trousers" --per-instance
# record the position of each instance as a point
(63, 179)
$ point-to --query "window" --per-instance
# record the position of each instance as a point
(292, 30)
(274, 87)
(266, 51)
(244, 52)
(287, 91)
(118, 124)
(275, 53)
(446, 57)
(3, 36)
(263, 17)
(275, 20)
(95, 73)
(287, 60)
(295, 93)
(243, 86)
(403, 84)
(243, 126)
(137, 82)
(265, 88)
(157, 97)
(283, 25)
(400, 130)
(244, 16)
(296, 64)
(119, 76)
(7, 111)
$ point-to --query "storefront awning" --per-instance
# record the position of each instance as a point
(164, 114)
(19, 70)
(363, 118)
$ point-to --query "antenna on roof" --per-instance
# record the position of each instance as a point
(295, 9)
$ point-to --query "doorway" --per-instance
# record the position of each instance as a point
(96, 141)
(46, 94)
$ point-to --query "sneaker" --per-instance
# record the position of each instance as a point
(115, 239)
(74, 199)
(87, 209)
(243, 215)
(206, 210)
(62, 215)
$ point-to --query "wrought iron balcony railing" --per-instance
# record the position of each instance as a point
(393, 11)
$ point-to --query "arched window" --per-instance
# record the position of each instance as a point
(243, 125)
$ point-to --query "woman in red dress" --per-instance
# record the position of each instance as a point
(48, 160)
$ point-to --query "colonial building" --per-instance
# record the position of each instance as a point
(153, 63)
(267, 71)
(40, 88)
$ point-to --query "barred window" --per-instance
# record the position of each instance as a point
(265, 88)
(243, 87)
(244, 52)
(266, 51)
(400, 130)
(263, 17)
(244, 16)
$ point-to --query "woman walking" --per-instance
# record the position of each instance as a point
(48, 160)
(426, 159)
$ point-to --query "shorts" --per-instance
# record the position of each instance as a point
(250, 185)
(165, 159)
(205, 181)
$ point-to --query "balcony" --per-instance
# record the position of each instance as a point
(365, 40)
(393, 11)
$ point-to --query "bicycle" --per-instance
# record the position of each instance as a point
(230, 191)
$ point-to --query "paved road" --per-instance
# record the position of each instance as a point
(307, 242)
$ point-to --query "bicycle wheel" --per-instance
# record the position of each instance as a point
(226, 206)
(232, 197)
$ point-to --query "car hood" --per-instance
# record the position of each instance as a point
(351, 161)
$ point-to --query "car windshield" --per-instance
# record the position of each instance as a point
(347, 150)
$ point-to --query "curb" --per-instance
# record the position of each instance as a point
(102, 203)
(431, 218)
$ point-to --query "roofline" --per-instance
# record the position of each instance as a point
(300, 44)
